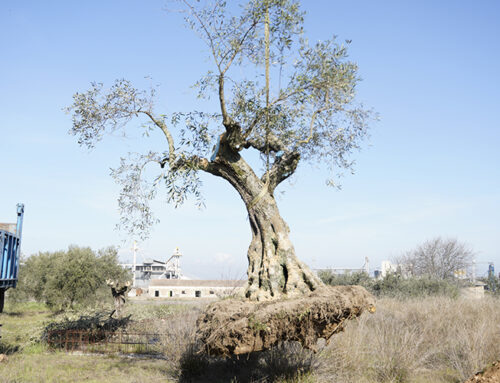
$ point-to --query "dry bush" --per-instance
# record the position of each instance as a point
(433, 339)
(422, 340)
(176, 323)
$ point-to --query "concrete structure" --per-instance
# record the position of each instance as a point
(190, 288)
(150, 269)
(474, 292)
(344, 270)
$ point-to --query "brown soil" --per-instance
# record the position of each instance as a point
(234, 327)
(490, 375)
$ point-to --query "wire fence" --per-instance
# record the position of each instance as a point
(99, 341)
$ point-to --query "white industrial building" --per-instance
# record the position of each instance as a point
(151, 269)
(191, 288)
(160, 279)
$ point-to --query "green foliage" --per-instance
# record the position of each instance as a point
(65, 279)
(394, 285)
(492, 284)
(346, 279)
(303, 110)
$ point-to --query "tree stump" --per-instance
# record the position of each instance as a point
(118, 295)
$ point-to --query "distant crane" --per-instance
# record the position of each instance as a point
(491, 269)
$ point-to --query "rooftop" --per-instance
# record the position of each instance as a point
(197, 283)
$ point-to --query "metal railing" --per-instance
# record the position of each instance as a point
(107, 341)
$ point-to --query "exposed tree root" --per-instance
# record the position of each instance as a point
(489, 375)
(234, 327)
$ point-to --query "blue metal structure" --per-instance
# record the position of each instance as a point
(10, 250)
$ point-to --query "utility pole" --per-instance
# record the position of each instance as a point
(474, 270)
(134, 248)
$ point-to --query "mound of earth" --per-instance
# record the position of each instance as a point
(234, 327)
(490, 375)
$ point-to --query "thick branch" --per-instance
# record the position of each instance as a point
(233, 135)
(283, 168)
(273, 143)
(226, 119)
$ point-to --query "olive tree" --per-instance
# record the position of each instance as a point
(63, 279)
(294, 104)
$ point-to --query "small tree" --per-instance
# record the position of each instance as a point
(77, 276)
(437, 258)
(295, 103)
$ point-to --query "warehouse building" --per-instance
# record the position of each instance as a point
(191, 288)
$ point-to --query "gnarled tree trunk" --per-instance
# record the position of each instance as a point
(274, 271)
(273, 268)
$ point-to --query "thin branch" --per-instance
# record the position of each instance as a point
(236, 51)
(166, 132)
(209, 35)
(313, 120)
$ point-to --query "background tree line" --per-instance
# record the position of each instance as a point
(68, 279)
(424, 271)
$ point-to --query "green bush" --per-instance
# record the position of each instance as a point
(66, 279)
(394, 285)
(347, 279)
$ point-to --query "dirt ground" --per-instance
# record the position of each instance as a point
(489, 375)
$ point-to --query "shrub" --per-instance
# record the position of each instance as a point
(64, 279)
(394, 285)
(347, 279)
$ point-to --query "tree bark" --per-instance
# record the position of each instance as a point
(274, 271)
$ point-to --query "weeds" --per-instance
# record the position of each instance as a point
(432, 339)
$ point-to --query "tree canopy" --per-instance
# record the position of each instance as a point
(306, 113)
(63, 279)
(291, 100)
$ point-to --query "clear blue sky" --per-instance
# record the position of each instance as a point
(431, 167)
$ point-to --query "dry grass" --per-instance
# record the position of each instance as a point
(60, 367)
(438, 340)
(422, 340)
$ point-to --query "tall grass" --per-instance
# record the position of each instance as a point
(420, 340)
(434, 339)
